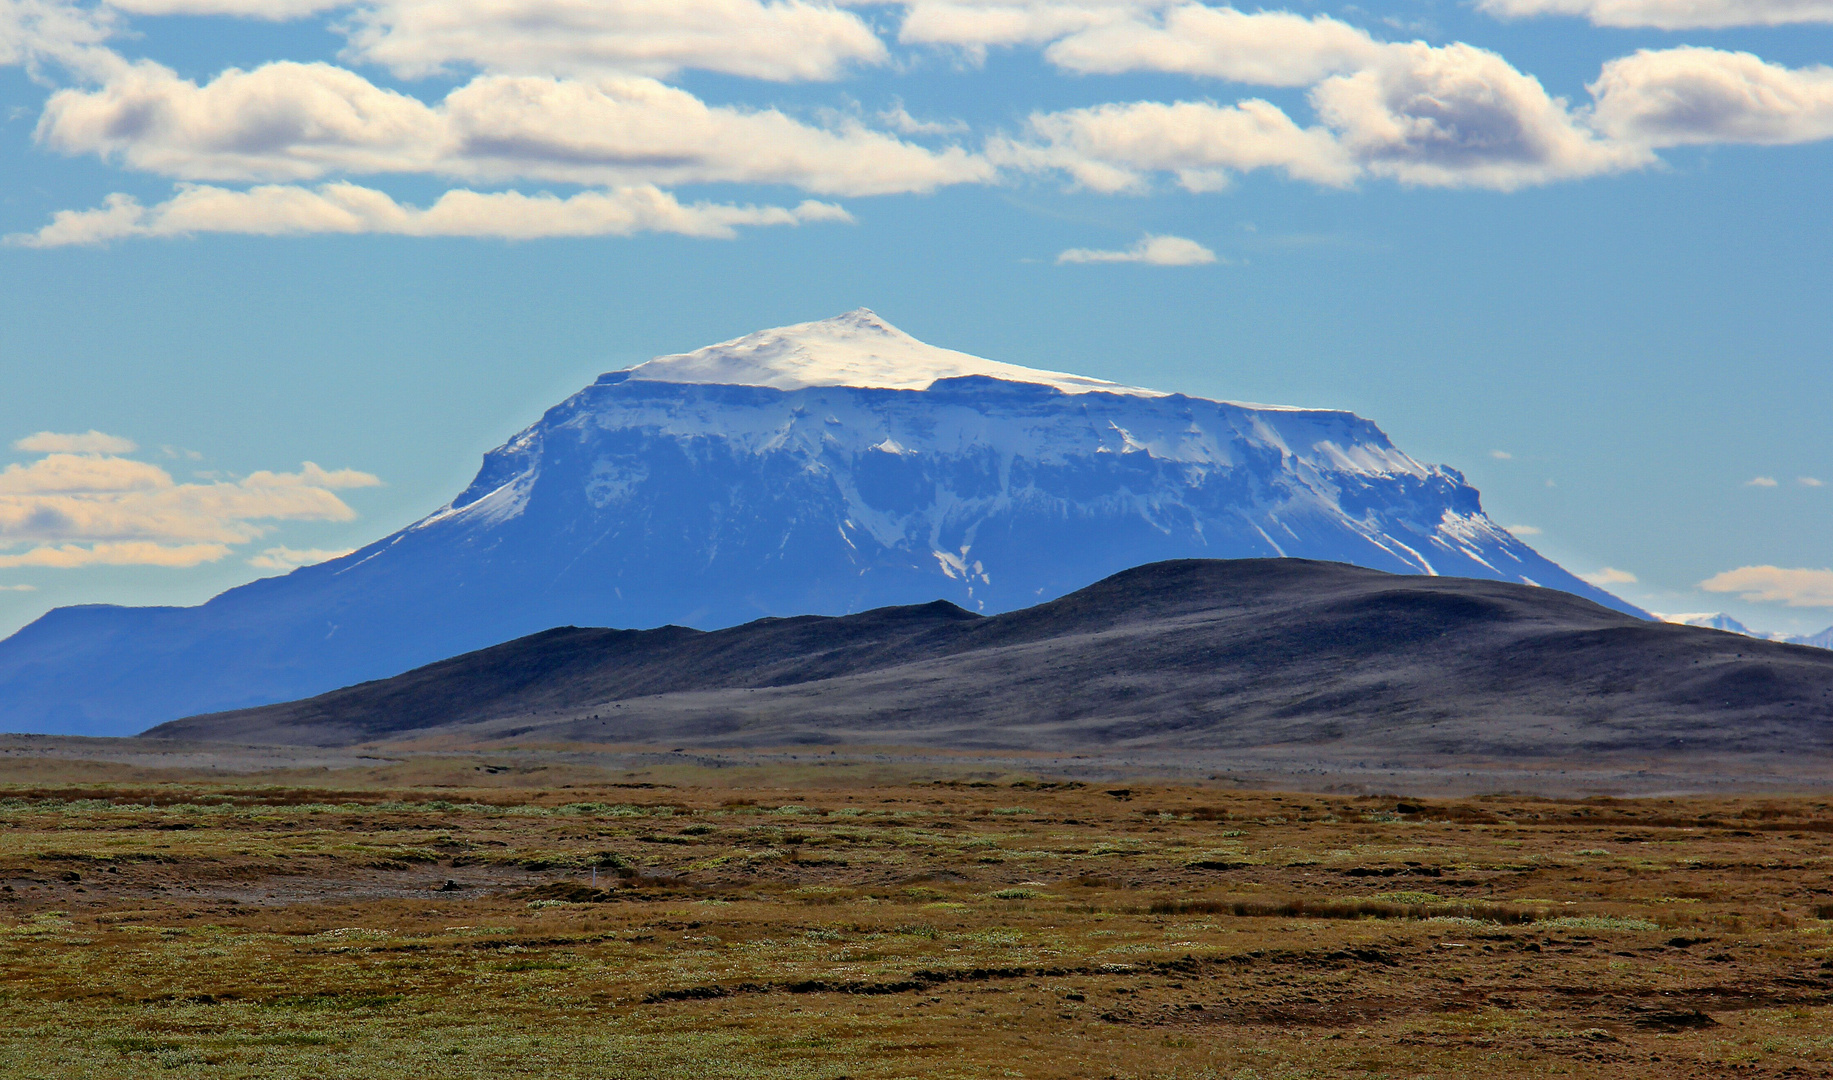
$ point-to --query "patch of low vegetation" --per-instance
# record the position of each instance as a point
(976, 928)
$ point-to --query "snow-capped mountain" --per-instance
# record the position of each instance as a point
(828, 467)
(1712, 620)
(1822, 640)
(1718, 620)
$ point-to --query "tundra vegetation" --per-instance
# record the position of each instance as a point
(467, 919)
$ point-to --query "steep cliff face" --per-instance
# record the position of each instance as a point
(824, 468)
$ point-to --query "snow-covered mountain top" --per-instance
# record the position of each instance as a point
(855, 349)
(1718, 620)
(1711, 620)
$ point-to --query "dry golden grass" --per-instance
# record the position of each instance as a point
(854, 925)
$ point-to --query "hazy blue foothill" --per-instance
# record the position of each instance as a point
(827, 468)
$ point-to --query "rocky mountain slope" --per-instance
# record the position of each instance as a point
(829, 467)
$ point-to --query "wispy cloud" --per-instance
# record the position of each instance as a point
(1151, 250)
(88, 442)
(1523, 530)
(18, 588)
(285, 558)
(1671, 14)
(1761, 481)
(753, 38)
(1609, 575)
(271, 10)
(1501, 455)
(898, 119)
(1810, 481)
(1775, 585)
(142, 553)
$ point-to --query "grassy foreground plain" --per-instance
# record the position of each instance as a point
(466, 919)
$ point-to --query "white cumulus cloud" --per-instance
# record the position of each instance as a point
(282, 120)
(68, 510)
(1671, 14)
(1460, 116)
(1111, 148)
(1151, 250)
(1609, 575)
(568, 92)
(1267, 48)
(1671, 97)
(1776, 585)
(293, 121)
(1761, 481)
(1438, 116)
(286, 210)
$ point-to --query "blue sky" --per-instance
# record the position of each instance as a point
(1578, 249)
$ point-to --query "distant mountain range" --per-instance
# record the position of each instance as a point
(1190, 654)
(1718, 620)
(828, 467)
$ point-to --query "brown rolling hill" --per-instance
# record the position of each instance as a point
(1199, 654)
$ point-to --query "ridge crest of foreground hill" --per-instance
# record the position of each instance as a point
(1197, 654)
(827, 467)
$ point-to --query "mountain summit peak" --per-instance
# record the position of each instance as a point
(859, 349)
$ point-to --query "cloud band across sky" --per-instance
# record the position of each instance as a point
(552, 92)
(290, 210)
